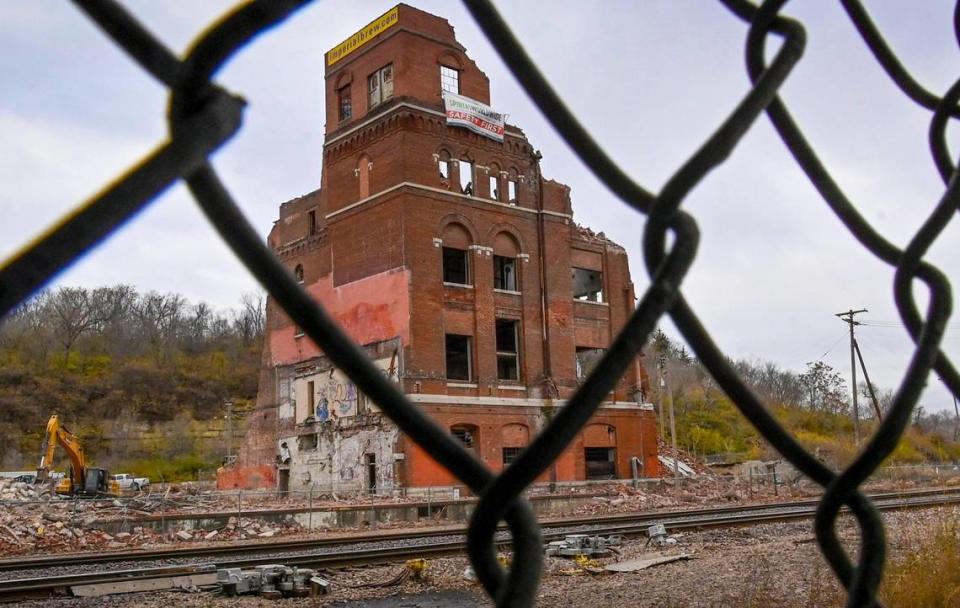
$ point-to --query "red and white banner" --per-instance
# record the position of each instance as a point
(465, 112)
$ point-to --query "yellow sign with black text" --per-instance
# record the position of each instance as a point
(368, 33)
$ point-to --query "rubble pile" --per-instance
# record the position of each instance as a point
(17, 490)
(238, 529)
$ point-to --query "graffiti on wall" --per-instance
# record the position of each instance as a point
(334, 395)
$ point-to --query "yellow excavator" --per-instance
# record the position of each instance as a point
(83, 480)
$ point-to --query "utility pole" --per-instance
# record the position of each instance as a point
(673, 430)
(661, 362)
(848, 318)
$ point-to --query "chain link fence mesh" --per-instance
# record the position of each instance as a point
(203, 116)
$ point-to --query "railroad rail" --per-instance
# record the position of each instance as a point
(450, 541)
(241, 548)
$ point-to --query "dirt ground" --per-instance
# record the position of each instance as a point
(763, 565)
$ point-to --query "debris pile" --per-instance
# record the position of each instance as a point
(238, 528)
(18, 490)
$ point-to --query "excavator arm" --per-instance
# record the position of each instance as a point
(58, 434)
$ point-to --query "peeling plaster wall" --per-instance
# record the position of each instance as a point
(339, 461)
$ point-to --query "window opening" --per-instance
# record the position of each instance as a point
(494, 185)
(444, 166)
(466, 177)
(371, 473)
(504, 273)
(380, 85)
(449, 80)
(464, 435)
(311, 399)
(458, 357)
(587, 359)
(455, 266)
(344, 102)
(298, 273)
(512, 191)
(587, 285)
(601, 463)
(508, 356)
(510, 454)
(312, 222)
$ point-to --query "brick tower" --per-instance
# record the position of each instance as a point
(438, 245)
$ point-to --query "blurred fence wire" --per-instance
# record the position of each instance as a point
(203, 116)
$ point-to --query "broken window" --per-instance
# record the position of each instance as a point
(504, 273)
(510, 454)
(456, 266)
(443, 165)
(380, 85)
(466, 177)
(465, 434)
(494, 188)
(508, 355)
(458, 357)
(450, 80)
(587, 359)
(601, 463)
(344, 103)
(298, 273)
(512, 190)
(587, 285)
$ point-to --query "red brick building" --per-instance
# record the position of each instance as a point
(438, 245)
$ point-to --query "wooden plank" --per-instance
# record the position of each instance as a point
(150, 584)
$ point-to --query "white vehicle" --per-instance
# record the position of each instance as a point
(126, 481)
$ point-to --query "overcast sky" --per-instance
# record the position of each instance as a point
(650, 80)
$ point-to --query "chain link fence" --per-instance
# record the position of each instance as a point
(203, 116)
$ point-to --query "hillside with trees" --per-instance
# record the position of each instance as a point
(814, 405)
(143, 378)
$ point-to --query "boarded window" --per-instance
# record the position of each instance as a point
(587, 285)
(456, 266)
(508, 355)
(458, 357)
(504, 273)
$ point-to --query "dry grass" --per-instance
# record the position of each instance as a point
(926, 573)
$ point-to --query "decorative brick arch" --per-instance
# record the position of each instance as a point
(514, 435)
(450, 59)
(502, 231)
(600, 435)
(460, 222)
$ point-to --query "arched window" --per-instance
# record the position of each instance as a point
(443, 168)
(298, 273)
(505, 267)
(493, 182)
(363, 173)
(456, 254)
(513, 186)
(467, 183)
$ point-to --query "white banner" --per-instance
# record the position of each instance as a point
(465, 112)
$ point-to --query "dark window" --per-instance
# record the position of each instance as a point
(298, 273)
(311, 222)
(465, 435)
(458, 357)
(508, 356)
(311, 398)
(449, 79)
(601, 463)
(504, 273)
(380, 85)
(455, 266)
(510, 454)
(344, 103)
(587, 359)
(587, 285)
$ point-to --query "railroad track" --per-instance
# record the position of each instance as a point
(251, 554)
